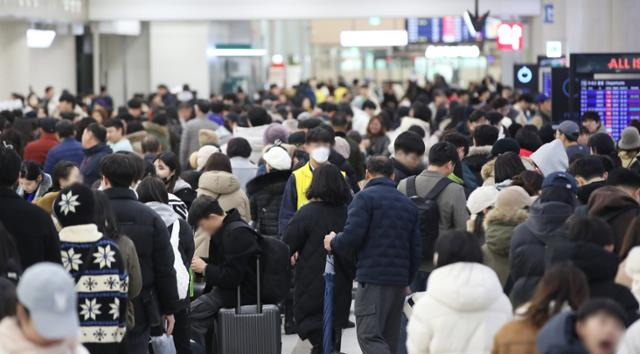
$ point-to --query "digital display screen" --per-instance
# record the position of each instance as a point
(560, 93)
(617, 102)
(447, 29)
(546, 83)
(525, 78)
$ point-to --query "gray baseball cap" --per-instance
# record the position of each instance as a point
(48, 292)
(568, 128)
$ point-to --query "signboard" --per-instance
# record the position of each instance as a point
(552, 62)
(586, 64)
(548, 13)
(526, 78)
(510, 36)
(446, 29)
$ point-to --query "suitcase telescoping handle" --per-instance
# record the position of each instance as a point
(258, 290)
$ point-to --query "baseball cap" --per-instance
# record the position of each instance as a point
(541, 98)
(278, 158)
(48, 124)
(513, 198)
(48, 292)
(569, 128)
(481, 198)
(560, 179)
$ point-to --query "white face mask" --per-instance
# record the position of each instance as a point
(320, 154)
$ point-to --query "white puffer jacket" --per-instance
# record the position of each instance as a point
(632, 268)
(462, 310)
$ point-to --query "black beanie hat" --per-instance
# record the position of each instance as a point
(74, 205)
(505, 145)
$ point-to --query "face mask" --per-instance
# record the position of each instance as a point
(320, 155)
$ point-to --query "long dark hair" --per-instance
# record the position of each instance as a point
(457, 246)
(104, 217)
(171, 160)
(563, 284)
(507, 166)
(151, 189)
(328, 185)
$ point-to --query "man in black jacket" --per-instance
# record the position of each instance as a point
(32, 229)
(232, 253)
(147, 230)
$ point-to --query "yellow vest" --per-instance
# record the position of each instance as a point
(303, 177)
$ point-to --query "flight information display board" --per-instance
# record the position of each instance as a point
(617, 102)
(446, 29)
(608, 83)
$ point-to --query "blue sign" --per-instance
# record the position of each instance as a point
(548, 13)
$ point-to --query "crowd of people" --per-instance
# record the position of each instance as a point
(471, 220)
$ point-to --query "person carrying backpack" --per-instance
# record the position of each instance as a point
(231, 263)
(441, 204)
(153, 193)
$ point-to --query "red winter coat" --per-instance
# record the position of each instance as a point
(37, 150)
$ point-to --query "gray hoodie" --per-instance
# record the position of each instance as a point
(551, 157)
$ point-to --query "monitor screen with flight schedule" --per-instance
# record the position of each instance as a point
(617, 102)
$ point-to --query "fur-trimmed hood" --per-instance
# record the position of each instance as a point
(499, 225)
(505, 217)
(480, 150)
(487, 171)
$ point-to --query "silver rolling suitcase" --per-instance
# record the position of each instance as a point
(249, 329)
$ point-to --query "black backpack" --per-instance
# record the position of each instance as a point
(275, 264)
(428, 213)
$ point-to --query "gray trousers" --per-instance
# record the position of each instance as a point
(378, 310)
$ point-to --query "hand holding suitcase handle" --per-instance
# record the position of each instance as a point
(258, 290)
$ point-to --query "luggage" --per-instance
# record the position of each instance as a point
(249, 329)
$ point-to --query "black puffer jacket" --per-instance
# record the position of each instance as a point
(544, 227)
(265, 196)
(478, 156)
(31, 227)
(600, 267)
(151, 238)
(232, 262)
(305, 235)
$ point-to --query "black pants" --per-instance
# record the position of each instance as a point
(204, 311)
(316, 339)
(182, 332)
(136, 340)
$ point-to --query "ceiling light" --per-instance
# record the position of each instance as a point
(40, 38)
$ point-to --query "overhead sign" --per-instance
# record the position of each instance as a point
(510, 36)
(605, 63)
(554, 49)
(548, 13)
